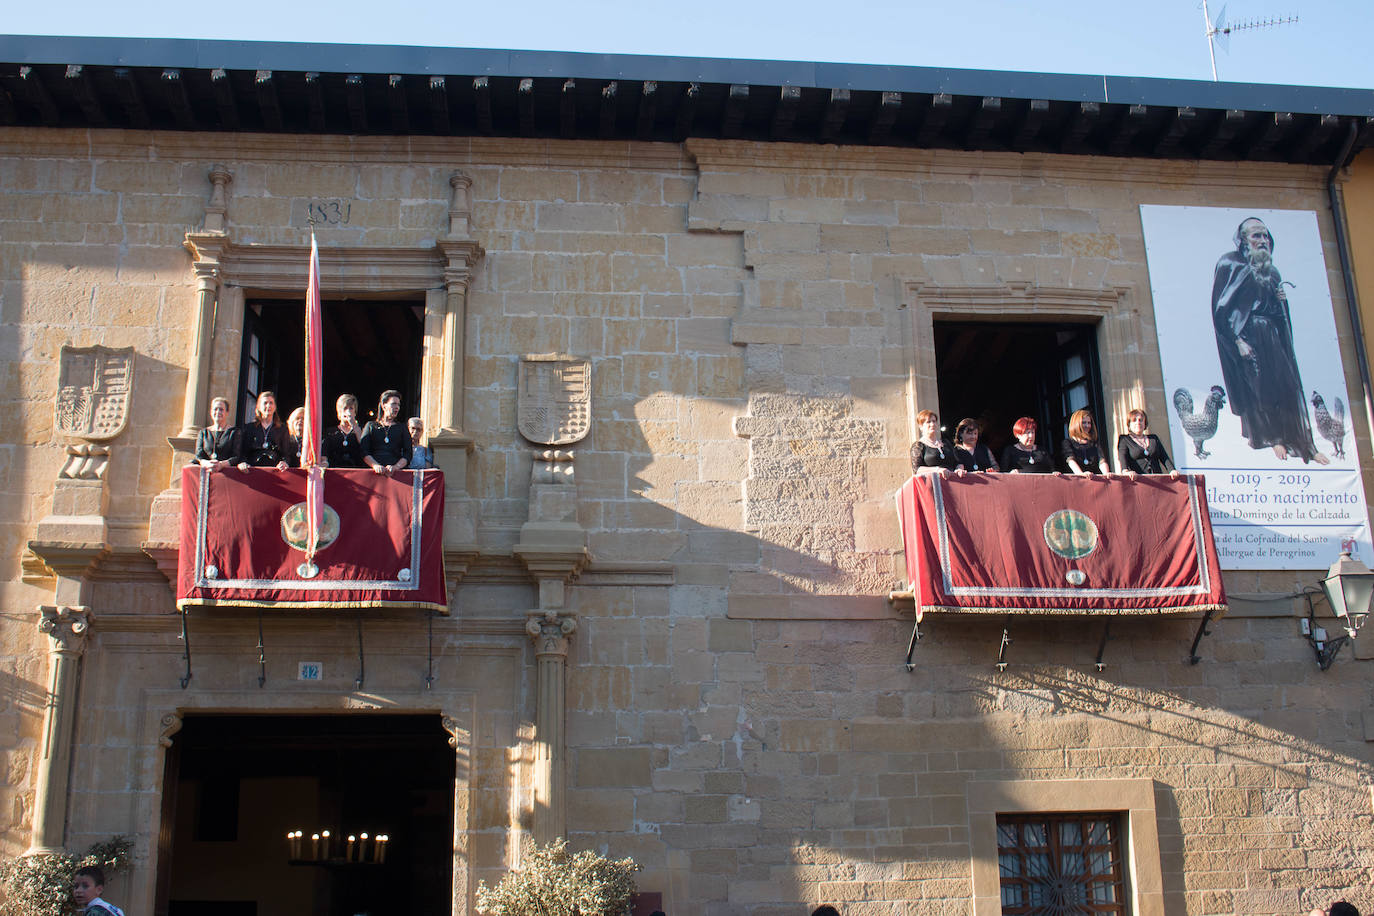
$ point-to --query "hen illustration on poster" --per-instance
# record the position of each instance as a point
(1253, 382)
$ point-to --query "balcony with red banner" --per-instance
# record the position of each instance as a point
(245, 536)
(1034, 545)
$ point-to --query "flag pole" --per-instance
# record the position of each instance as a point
(310, 446)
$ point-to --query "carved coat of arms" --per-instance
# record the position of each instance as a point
(95, 386)
(554, 399)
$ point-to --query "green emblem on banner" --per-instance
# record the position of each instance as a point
(1070, 534)
(295, 531)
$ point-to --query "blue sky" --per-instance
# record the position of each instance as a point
(1329, 46)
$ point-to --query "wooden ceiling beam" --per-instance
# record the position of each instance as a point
(397, 102)
(267, 99)
(648, 110)
(131, 98)
(686, 111)
(836, 110)
(567, 110)
(355, 93)
(222, 86)
(439, 118)
(174, 88)
(79, 82)
(38, 96)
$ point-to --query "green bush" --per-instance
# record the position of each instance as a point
(42, 885)
(555, 882)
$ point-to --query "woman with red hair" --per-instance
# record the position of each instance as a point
(1022, 455)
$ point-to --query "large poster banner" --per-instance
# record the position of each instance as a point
(1252, 373)
(244, 536)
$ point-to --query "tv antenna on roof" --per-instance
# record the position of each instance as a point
(1219, 32)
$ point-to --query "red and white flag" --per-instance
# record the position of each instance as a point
(310, 444)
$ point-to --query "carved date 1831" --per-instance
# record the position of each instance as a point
(331, 212)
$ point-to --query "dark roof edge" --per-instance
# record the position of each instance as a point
(410, 60)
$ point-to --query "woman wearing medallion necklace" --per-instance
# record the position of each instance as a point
(218, 444)
(930, 454)
(1139, 451)
(1022, 456)
(971, 454)
(1079, 452)
(263, 442)
(341, 448)
(386, 443)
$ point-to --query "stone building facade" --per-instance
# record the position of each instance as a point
(687, 651)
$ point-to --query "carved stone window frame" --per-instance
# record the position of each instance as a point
(233, 272)
(1134, 799)
(1109, 310)
(226, 271)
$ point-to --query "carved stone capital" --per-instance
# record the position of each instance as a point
(207, 274)
(551, 633)
(207, 251)
(66, 627)
(459, 257)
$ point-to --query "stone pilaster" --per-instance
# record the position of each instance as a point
(551, 632)
(205, 248)
(196, 405)
(450, 444)
(67, 628)
(461, 252)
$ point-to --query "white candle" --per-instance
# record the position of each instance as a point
(362, 847)
(381, 847)
(348, 853)
(314, 845)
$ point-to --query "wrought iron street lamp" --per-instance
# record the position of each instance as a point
(1348, 586)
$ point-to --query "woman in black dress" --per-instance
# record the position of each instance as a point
(262, 444)
(1022, 456)
(1079, 452)
(341, 447)
(218, 444)
(386, 443)
(1139, 451)
(971, 454)
(930, 454)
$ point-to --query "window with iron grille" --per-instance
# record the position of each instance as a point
(1060, 864)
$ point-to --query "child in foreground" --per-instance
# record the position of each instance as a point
(87, 886)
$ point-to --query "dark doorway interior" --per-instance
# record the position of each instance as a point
(999, 372)
(240, 783)
(369, 346)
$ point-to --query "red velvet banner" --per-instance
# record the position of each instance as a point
(243, 536)
(1032, 543)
